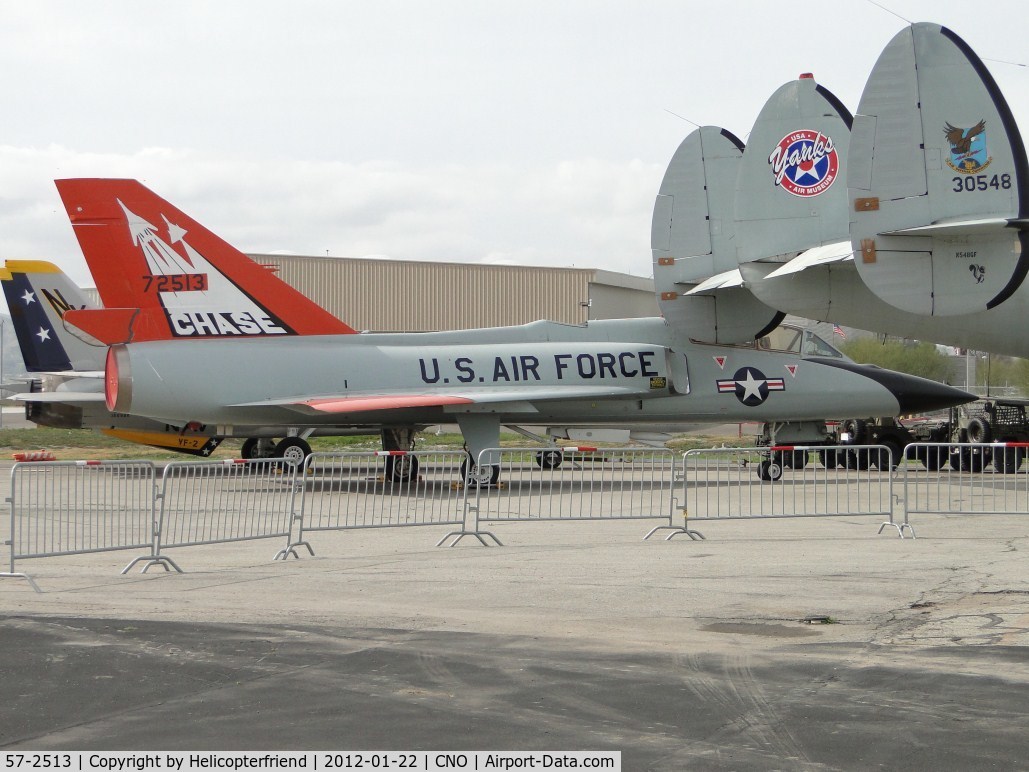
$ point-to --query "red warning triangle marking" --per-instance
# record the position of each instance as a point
(721, 362)
(792, 369)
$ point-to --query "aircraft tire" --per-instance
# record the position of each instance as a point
(293, 449)
(769, 470)
(402, 469)
(478, 476)
(550, 458)
(257, 447)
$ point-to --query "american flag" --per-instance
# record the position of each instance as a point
(837, 330)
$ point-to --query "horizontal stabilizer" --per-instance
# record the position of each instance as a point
(724, 280)
(68, 397)
(960, 227)
(101, 326)
(830, 253)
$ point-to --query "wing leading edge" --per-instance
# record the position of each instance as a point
(519, 399)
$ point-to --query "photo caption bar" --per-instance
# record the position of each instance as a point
(418, 761)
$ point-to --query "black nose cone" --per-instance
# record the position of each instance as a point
(914, 394)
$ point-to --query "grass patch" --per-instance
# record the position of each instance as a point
(75, 444)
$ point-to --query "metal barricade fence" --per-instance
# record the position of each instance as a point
(381, 489)
(571, 483)
(74, 507)
(210, 502)
(967, 478)
(785, 482)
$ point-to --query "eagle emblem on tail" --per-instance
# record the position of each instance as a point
(967, 148)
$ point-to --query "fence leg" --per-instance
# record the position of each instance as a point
(906, 524)
(900, 528)
(26, 577)
(152, 560)
(291, 549)
(676, 529)
(466, 531)
(461, 534)
(891, 524)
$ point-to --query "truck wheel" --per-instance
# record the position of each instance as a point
(829, 458)
(1007, 460)
(859, 459)
(794, 459)
(883, 457)
(855, 427)
(969, 459)
(979, 431)
(932, 458)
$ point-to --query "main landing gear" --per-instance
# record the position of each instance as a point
(479, 476)
(402, 468)
(295, 449)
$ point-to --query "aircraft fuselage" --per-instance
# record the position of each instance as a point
(606, 372)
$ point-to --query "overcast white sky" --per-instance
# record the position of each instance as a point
(534, 132)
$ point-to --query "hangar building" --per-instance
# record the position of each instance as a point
(409, 295)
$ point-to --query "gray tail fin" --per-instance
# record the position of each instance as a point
(791, 194)
(937, 179)
(692, 241)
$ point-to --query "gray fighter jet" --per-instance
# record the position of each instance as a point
(206, 335)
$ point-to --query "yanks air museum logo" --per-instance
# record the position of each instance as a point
(805, 163)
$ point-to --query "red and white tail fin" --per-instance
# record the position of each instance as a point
(185, 281)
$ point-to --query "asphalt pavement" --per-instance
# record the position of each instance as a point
(573, 636)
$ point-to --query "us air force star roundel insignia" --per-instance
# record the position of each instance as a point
(750, 386)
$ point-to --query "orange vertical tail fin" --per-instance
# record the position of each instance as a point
(146, 254)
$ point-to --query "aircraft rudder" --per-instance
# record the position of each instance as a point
(936, 157)
(147, 253)
(40, 345)
(790, 195)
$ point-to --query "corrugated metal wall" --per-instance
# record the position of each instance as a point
(395, 295)
(411, 295)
